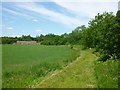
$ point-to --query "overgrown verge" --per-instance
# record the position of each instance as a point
(107, 74)
(23, 78)
(106, 71)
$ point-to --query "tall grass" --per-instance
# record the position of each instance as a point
(23, 64)
(107, 74)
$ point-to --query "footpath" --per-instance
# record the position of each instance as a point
(78, 74)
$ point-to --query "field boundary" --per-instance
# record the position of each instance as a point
(56, 72)
(82, 58)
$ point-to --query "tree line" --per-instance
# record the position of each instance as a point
(102, 33)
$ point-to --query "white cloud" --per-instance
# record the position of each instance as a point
(85, 0)
(6, 27)
(35, 20)
(89, 9)
(1, 25)
(16, 12)
(59, 0)
(38, 30)
(14, 35)
(24, 0)
(9, 28)
(51, 15)
(13, 12)
(81, 8)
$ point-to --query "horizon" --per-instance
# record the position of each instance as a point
(35, 18)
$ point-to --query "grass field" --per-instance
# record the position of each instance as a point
(39, 66)
(25, 63)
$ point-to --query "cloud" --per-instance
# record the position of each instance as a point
(9, 28)
(51, 15)
(15, 35)
(24, 0)
(89, 9)
(84, 0)
(41, 11)
(84, 10)
(1, 25)
(6, 27)
(35, 20)
(13, 12)
(38, 30)
(59, 0)
(16, 12)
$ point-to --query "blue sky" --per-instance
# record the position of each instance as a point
(35, 18)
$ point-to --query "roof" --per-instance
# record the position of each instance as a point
(26, 41)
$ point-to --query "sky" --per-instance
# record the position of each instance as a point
(35, 17)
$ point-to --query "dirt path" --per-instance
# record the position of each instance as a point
(78, 74)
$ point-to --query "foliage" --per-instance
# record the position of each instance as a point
(103, 34)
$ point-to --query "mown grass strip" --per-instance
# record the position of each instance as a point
(79, 74)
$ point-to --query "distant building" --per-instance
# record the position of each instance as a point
(119, 5)
(26, 42)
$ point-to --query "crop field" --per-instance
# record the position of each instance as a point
(24, 64)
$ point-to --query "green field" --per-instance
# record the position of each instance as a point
(25, 63)
(40, 66)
